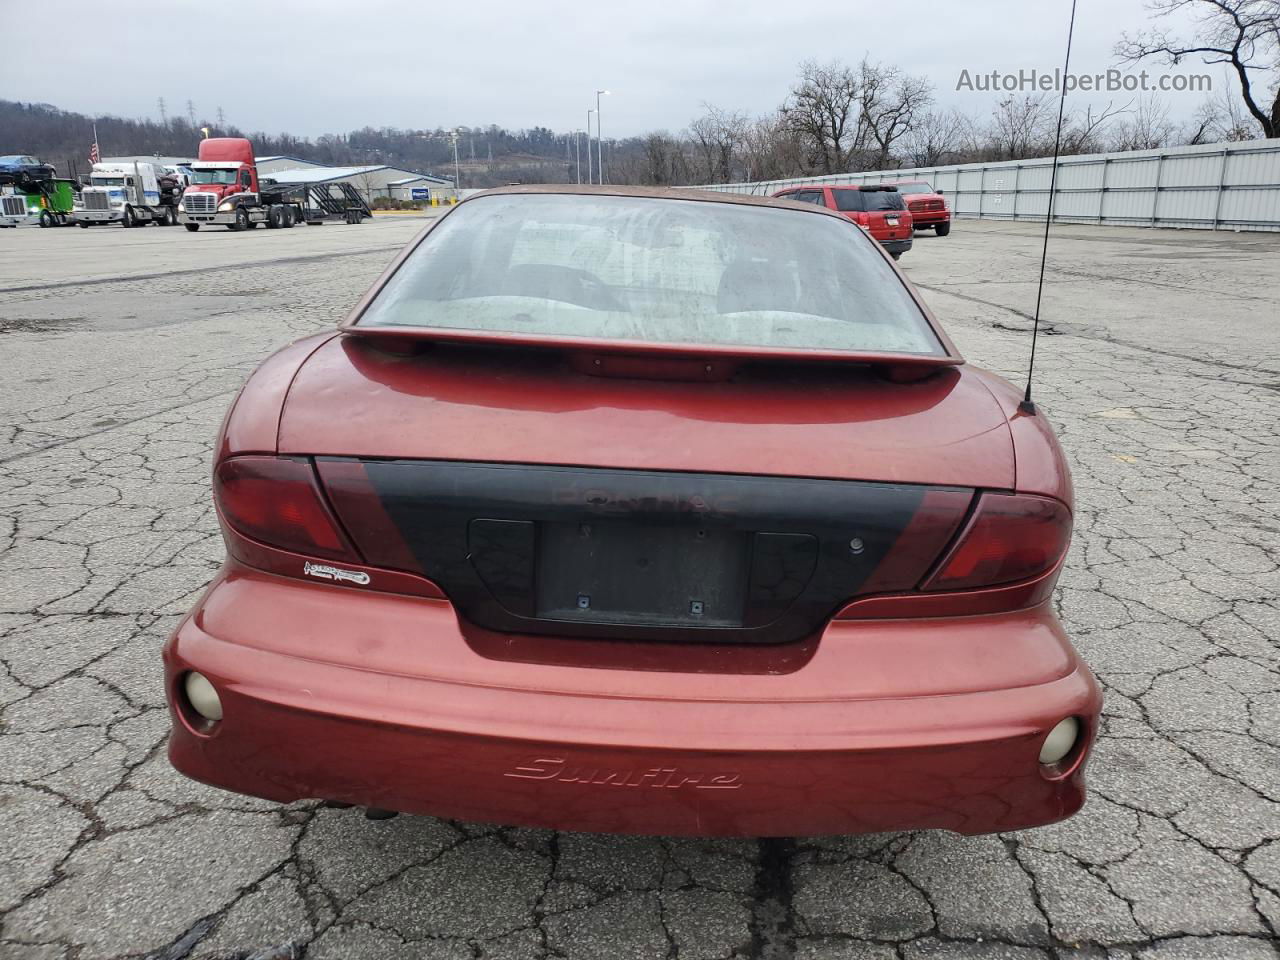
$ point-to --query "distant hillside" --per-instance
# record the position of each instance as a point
(488, 156)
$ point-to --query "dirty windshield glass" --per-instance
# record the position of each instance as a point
(656, 270)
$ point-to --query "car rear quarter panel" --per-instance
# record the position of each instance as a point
(252, 425)
(1040, 467)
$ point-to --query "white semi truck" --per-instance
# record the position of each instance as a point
(128, 193)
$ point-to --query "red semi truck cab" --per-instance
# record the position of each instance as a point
(225, 190)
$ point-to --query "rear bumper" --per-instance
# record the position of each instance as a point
(896, 246)
(381, 700)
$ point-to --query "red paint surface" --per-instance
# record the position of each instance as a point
(837, 422)
(383, 700)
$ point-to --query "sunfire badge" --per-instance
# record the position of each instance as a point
(326, 572)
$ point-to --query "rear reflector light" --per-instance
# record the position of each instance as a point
(202, 696)
(276, 501)
(1009, 538)
(1060, 741)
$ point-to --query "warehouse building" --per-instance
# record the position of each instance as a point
(370, 181)
(267, 166)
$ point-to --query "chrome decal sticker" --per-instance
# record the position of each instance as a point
(326, 572)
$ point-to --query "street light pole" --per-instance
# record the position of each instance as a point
(577, 151)
(589, 113)
(457, 180)
(600, 136)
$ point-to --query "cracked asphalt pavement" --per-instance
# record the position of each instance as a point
(1161, 370)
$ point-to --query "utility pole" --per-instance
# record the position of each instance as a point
(191, 113)
(457, 177)
(577, 150)
(589, 113)
(222, 121)
(164, 119)
(600, 136)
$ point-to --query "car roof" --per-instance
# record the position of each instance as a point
(694, 194)
(865, 187)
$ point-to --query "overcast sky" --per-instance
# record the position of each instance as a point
(521, 64)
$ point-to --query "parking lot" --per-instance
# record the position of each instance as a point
(1160, 367)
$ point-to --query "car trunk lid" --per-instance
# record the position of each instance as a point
(545, 500)
(835, 421)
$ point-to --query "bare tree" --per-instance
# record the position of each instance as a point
(938, 138)
(1245, 34)
(663, 160)
(891, 103)
(1082, 131)
(1220, 117)
(825, 110)
(1146, 127)
(717, 138)
(772, 149)
(1021, 127)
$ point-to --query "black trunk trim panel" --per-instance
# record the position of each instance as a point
(629, 554)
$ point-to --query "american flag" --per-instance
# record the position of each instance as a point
(94, 156)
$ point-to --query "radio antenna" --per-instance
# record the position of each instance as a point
(1026, 406)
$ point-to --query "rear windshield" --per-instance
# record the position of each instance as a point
(860, 201)
(656, 270)
(914, 188)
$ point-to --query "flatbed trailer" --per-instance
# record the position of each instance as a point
(321, 201)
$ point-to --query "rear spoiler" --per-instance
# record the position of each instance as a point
(604, 356)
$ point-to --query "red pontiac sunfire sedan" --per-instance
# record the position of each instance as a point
(642, 511)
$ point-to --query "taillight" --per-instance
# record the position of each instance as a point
(276, 501)
(1009, 538)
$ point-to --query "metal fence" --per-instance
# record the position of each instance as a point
(1231, 186)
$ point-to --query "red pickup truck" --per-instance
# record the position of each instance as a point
(927, 207)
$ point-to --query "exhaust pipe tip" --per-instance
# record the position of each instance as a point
(377, 813)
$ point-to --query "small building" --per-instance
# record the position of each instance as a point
(371, 182)
(421, 188)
